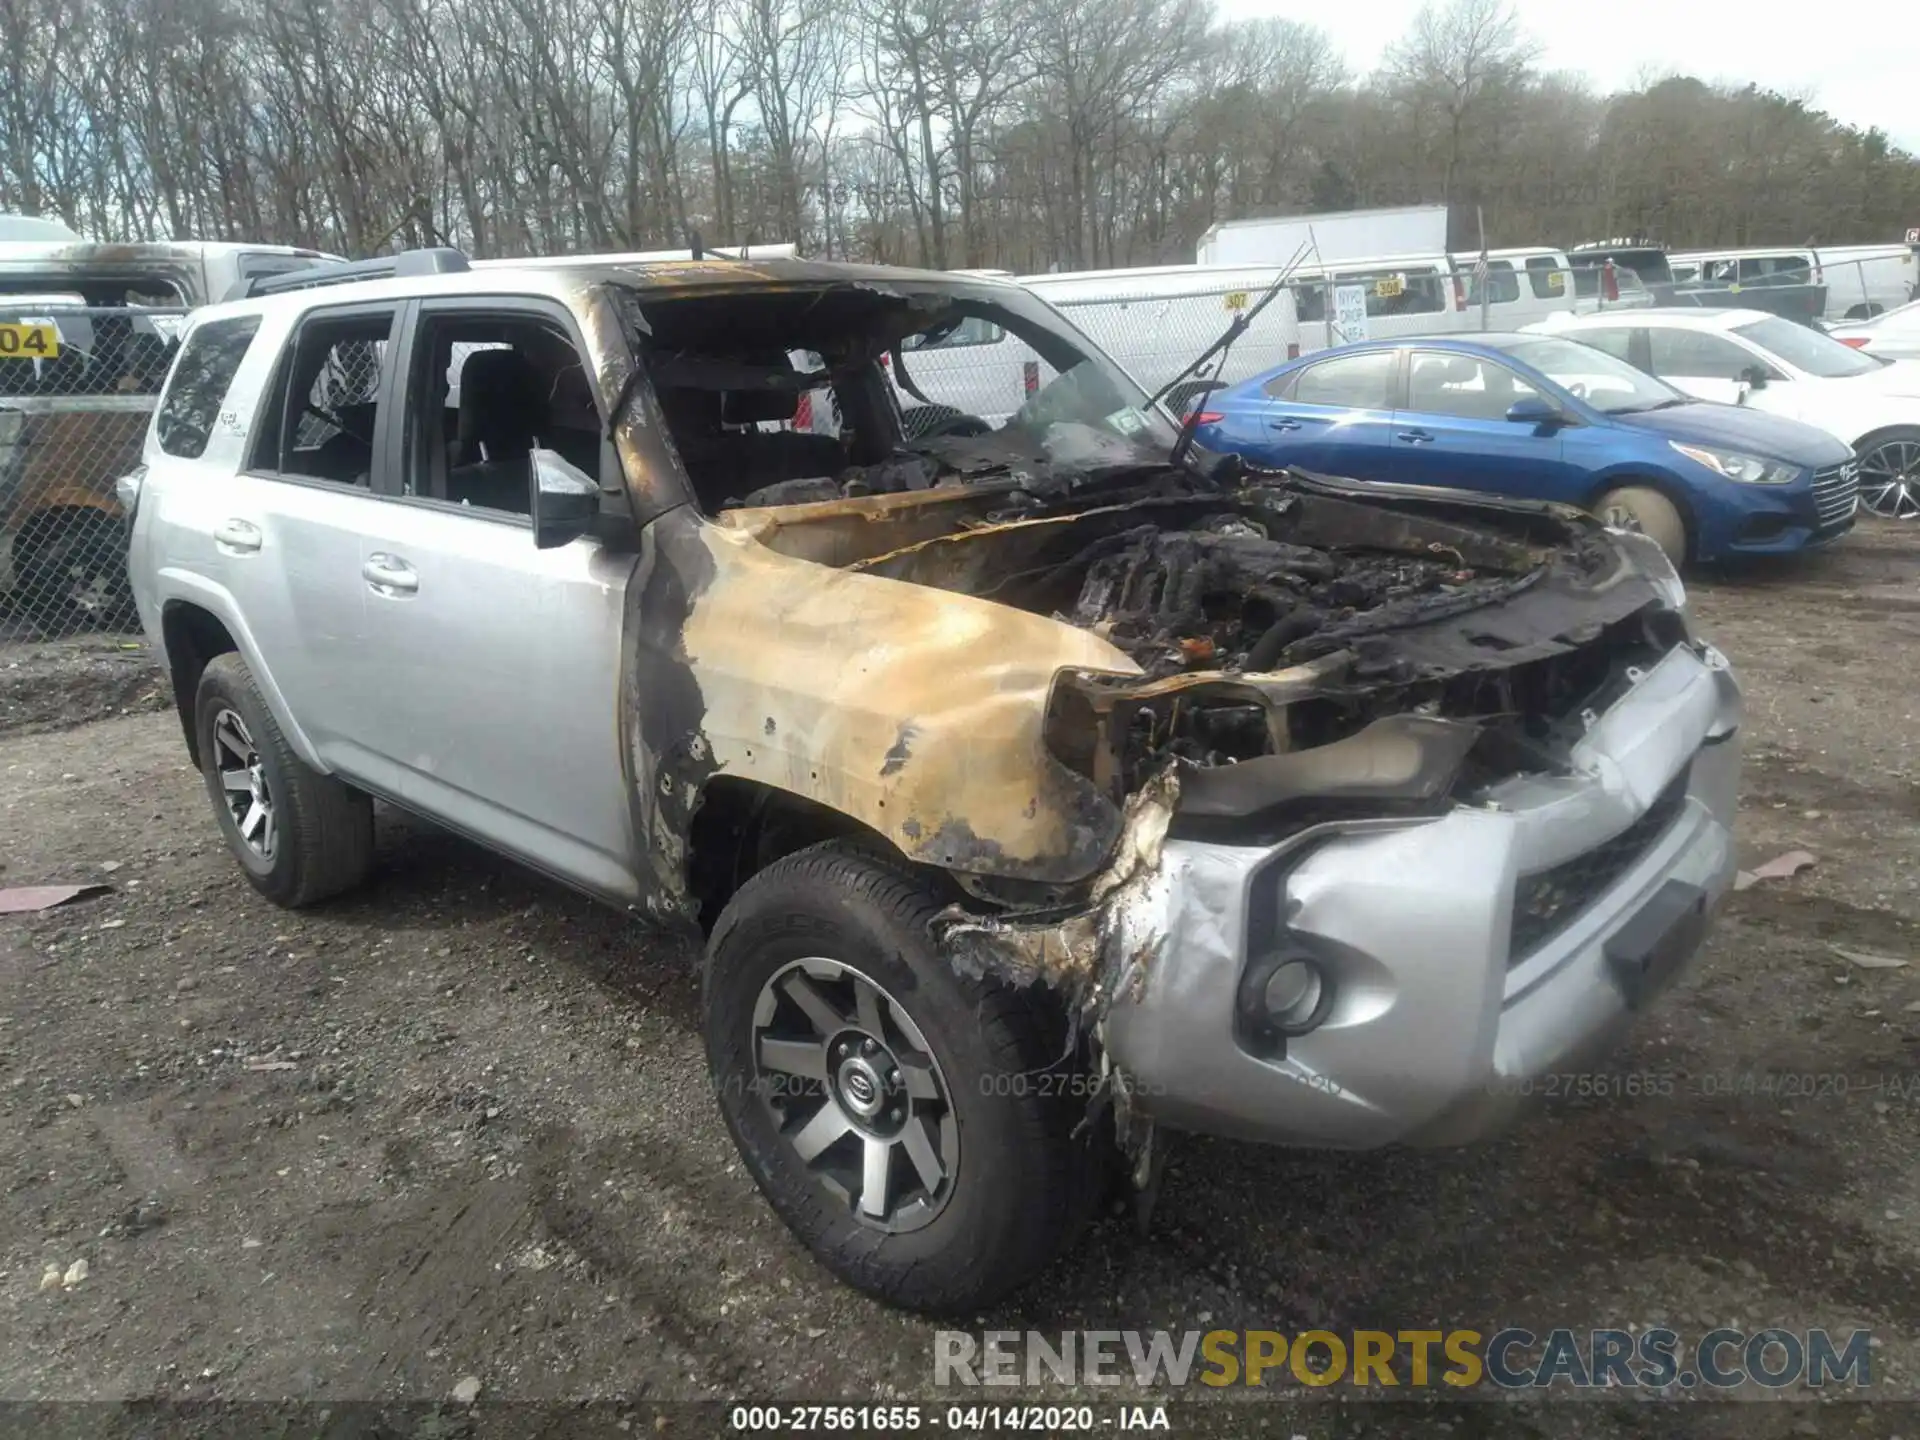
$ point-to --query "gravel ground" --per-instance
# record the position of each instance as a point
(456, 1126)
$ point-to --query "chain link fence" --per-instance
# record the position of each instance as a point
(78, 385)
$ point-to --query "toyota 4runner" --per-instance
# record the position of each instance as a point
(1036, 789)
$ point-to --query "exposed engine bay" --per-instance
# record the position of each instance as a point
(1439, 637)
(1273, 614)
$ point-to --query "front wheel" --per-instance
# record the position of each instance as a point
(1890, 472)
(1645, 509)
(912, 1126)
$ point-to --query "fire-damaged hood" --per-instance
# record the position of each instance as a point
(984, 673)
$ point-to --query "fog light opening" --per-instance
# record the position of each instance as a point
(1292, 993)
(1285, 995)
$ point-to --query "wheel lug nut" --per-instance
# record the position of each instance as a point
(867, 1047)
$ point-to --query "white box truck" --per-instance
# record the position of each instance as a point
(1335, 235)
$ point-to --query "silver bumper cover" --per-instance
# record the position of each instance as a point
(1433, 1034)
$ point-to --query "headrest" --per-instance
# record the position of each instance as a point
(750, 407)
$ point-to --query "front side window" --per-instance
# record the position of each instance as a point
(1610, 386)
(1465, 387)
(1696, 355)
(1350, 382)
(199, 383)
(487, 390)
(327, 400)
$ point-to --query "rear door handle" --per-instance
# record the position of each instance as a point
(389, 575)
(237, 537)
(1285, 422)
(1415, 437)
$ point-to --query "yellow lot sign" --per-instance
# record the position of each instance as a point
(29, 342)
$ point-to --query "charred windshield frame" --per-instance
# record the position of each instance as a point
(1054, 339)
(857, 323)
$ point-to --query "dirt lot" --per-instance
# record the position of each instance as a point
(457, 1125)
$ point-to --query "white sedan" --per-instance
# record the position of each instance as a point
(1748, 357)
(1891, 335)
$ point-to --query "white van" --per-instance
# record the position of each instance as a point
(1524, 285)
(1864, 280)
(1152, 321)
(1405, 295)
(1860, 280)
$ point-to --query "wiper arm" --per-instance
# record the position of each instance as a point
(1237, 327)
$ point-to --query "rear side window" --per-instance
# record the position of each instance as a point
(1548, 280)
(327, 399)
(1696, 356)
(1351, 382)
(1502, 288)
(199, 384)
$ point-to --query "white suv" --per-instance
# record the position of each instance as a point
(1033, 789)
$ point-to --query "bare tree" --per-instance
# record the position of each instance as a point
(1457, 59)
(1030, 134)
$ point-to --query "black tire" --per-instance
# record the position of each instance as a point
(1020, 1186)
(70, 571)
(1890, 472)
(321, 829)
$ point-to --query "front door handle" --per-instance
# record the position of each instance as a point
(1415, 437)
(1285, 422)
(389, 575)
(237, 537)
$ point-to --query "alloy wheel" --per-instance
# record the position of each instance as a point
(1890, 479)
(243, 784)
(856, 1092)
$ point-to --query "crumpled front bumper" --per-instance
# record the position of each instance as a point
(1437, 1029)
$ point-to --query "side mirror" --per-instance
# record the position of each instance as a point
(1755, 377)
(566, 501)
(1534, 410)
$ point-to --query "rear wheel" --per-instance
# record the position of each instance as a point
(1890, 472)
(908, 1123)
(299, 835)
(1645, 509)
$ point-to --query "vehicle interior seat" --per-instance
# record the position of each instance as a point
(502, 411)
(729, 457)
(1433, 384)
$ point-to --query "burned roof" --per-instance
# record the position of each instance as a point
(696, 276)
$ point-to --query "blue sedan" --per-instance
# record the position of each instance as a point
(1545, 418)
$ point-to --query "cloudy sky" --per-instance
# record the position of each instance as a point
(1858, 60)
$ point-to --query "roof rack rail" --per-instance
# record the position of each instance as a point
(443, 261)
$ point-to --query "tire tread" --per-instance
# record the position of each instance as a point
(329, 823)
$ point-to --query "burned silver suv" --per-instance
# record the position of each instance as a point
(1036, 788)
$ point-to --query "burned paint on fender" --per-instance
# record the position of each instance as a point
(669, 760)
(917, 712)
